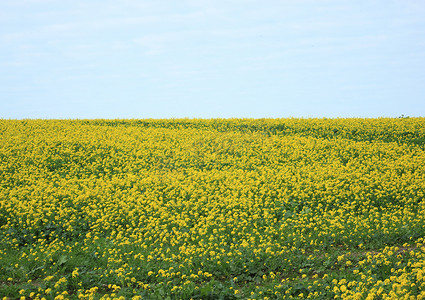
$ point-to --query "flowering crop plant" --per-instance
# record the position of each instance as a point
(212, 209)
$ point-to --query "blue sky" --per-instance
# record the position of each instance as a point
(211, 59)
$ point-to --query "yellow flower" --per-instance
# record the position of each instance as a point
(75, 273)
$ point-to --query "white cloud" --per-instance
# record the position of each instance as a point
(161, 42)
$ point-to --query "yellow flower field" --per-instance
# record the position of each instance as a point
(212, 209)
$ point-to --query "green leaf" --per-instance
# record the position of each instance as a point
(62, 260)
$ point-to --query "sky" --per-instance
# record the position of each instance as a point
(86, 59)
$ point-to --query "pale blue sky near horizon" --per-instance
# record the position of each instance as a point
(63, 59)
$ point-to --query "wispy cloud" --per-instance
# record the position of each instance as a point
(159, 43)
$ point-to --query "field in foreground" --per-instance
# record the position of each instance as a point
(212, 209)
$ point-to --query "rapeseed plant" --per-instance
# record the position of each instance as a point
(259, 209)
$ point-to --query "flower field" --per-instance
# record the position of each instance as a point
(212, 209)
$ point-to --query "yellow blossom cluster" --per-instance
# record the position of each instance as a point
(248, 208)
